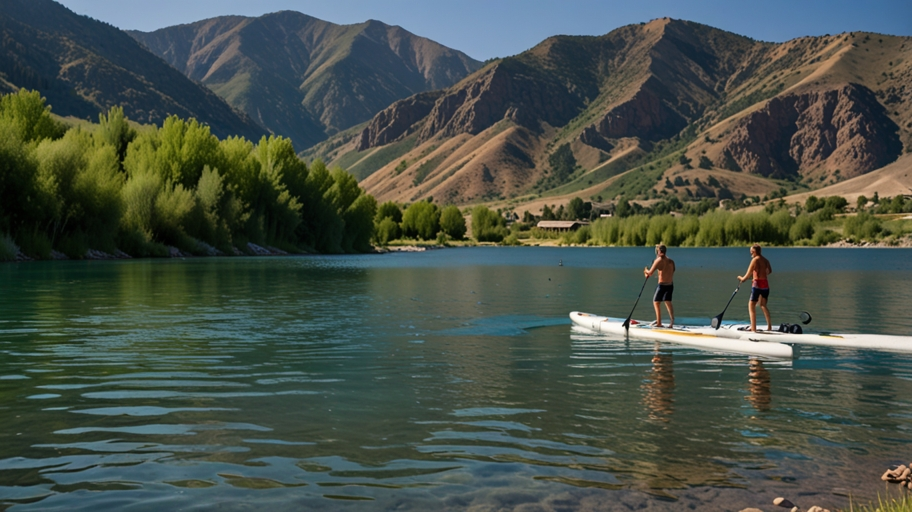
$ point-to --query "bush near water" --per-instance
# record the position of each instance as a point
(110, 186)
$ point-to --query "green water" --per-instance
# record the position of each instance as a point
(442, 380)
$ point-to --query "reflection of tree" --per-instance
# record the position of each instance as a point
(759, 380)
(659, 397)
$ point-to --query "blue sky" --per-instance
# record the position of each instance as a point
(498, 28)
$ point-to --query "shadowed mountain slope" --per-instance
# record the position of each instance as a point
(303, 77)
(83, 67)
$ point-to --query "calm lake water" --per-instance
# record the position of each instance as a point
(444, 380)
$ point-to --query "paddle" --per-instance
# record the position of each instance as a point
(627, 322)
(805, 317)
(717, 320)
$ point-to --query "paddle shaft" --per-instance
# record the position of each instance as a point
(719, 316)
(627, 322)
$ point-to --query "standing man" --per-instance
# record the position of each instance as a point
(666, 268)
(760, 270)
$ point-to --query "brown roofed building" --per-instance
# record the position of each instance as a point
(562, 225)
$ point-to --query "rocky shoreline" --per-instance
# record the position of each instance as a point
(902, 243)
(901, 475)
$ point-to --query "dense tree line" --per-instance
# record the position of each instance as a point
(109, 186)
(817, 223)
(422, 220)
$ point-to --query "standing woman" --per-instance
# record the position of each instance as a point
(759, 269)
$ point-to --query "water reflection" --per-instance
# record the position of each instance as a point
(659, 386)
(759, 385)
(431, 384)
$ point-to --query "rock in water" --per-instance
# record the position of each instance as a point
(784, 503)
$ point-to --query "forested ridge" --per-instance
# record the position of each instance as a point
(113, 187)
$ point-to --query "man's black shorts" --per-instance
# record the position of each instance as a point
(756, 293)
(663, 293)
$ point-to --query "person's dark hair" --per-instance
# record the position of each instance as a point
(757, 249)
(661, 248)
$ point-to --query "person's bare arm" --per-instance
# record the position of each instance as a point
(649, 271)
(747, 275)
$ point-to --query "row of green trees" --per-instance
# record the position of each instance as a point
(109, 186)
(422, 220)
(721, 228)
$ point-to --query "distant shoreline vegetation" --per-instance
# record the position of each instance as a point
(114, 188)
(819, 222)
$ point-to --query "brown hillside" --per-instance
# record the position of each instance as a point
(303, 77)
(889, 181)
(755, 117)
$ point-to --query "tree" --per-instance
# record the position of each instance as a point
(421, 220)
(861, 203)
(813, 204)
(576, 209)
(389, 210)
(452, 222)
(114, 129)
(623, 208)
(547, 213)
(897, 205)
(184, 148)
(386, 231)
(359, 223)
(837, 203)
(29, 116)
(562, 162)
(21, 199)
(488, 226)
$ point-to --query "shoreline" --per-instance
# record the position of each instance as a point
(258, 250)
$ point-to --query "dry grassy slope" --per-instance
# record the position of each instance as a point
(889, 181)
(303, 77)
(464, 166)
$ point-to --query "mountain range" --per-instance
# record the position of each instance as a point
(650, 110)
(303, 77)
(84, 66)
(665, 107)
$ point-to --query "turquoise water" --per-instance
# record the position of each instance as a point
(448, 379)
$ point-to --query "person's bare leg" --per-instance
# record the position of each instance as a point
(766, 313)
(752, 309)
(671, 313)
(658, 313)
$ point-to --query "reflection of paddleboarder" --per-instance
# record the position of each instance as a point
(759, 384)
(659, 397)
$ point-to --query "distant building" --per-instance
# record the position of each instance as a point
(561, 225)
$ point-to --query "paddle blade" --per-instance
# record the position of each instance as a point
(716, 322)
(805, 317)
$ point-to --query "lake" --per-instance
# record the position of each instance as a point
(444, 380)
